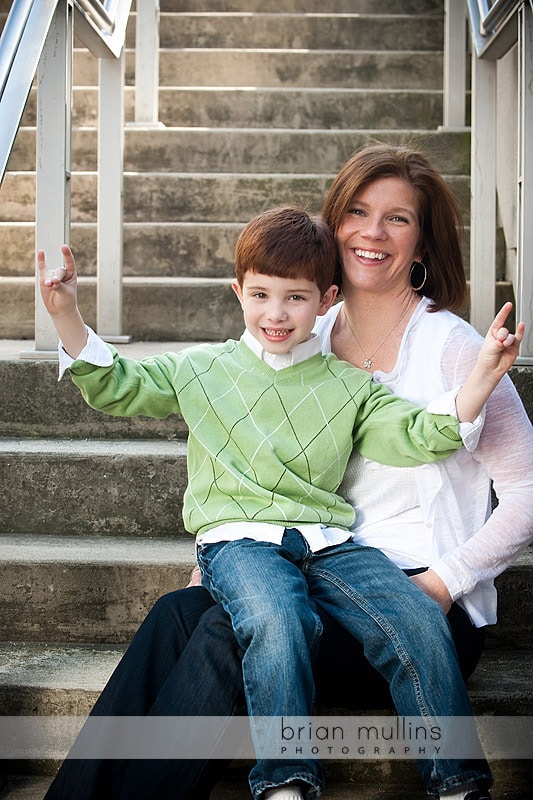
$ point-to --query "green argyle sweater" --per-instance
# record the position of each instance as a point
(266, 445)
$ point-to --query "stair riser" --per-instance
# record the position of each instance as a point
(284, 31)
(347, 70)
(327, 110)
(151, 312)
(157, 311)
(433, 7)
(35, 405)
(65, 493)
(345, 780)
(80, 602)
(180, 197)
(192, 251)
(150, 251)
(266, 108)
(249, 151)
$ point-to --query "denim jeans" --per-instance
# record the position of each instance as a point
(185, 660)
(270, 592)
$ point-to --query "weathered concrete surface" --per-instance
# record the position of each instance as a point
(93, 486)
(74, 589)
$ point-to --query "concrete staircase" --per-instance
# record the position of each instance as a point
(260, 108)
(262, 102)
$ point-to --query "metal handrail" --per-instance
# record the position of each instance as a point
(21, 45)
(493, 26)
(497, 13)
(97, 12)
(101, 29)
(14, 28)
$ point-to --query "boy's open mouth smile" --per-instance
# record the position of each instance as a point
(277, 333)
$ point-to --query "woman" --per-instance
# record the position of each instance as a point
(396, 225)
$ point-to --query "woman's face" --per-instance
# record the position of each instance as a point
(379, 237)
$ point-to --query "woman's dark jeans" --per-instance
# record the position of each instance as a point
(175, 666)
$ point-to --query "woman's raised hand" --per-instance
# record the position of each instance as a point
(501, 347)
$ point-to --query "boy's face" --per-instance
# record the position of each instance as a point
(281, 312)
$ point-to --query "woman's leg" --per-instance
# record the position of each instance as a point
(407, 638)
(148, 668)
(262, 588)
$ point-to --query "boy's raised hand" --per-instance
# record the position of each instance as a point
(58, 285)
(500, 348)
(59, 292)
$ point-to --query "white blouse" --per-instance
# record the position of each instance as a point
(453, 530)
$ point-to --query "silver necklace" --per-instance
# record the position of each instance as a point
(367, 363)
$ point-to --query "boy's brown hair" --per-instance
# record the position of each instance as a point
(287, 242)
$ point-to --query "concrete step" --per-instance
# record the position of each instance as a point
(76, 587)
(349, 69)
(154, 309)
(249, 150)
(85, 589)
(154, 250)
(186, 197)
(330, 108)
(35, 405)
(117, 488)
(278, 107)
(296, 30)
(422, 7)
(60, 680)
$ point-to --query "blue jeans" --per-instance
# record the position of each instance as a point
(270, 592)
(185, 660)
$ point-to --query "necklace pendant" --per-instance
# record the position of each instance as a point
(367, 363)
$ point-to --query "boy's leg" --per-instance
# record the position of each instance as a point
(345, 679)
(263, 590)
(407, 639)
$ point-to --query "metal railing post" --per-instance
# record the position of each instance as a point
(147, 64)
(110, 197)
(483, 194)
(524, 288)
(454, 100)
(54, 102)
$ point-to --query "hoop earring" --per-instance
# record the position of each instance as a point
(414, 265)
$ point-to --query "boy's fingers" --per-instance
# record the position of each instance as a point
(68, 258)
(57, 274)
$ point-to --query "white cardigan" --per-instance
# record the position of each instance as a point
(470, 546)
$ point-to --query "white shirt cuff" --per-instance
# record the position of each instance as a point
(468, 431)
(95, 352)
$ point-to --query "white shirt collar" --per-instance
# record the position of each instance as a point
(298, 353)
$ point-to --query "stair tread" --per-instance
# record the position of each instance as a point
(41, 549)
(88, 666)
(34, 788)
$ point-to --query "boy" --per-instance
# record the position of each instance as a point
(272, 423)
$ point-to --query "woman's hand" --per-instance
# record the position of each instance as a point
(430, 583)
(196, 578)
(501, 347)
(495, 358)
